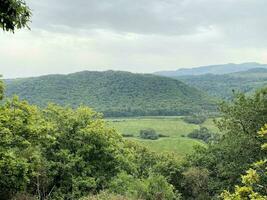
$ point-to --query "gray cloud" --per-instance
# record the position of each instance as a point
(135, 35)
(175, 17)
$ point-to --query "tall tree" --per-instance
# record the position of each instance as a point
(14, 14)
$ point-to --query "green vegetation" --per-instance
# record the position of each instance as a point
(170, 126)
(203, 134)
(154, 187)
(1, 90)
(64, 153)
(115, 94)
(195, 119)
(222, 86)
(213, 69)
(237, 150)
(181, 146)
(255, 181)
(173, 128)
(149, 134)
(14, 14)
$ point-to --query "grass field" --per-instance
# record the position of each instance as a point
(174, 127)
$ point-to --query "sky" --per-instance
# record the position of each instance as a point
(141, 36)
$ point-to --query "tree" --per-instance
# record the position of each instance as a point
(255, 181)
(84, 154)
(14, 14)
(238, 147)
(22, 131)
(153, 187)
(195, 183)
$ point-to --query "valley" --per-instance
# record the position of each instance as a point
(133, 100)
(174, 128)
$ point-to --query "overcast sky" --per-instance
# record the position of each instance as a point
(135, 35)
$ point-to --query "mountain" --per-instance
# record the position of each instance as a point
(213, 69)
(222, 86)
(114, 93)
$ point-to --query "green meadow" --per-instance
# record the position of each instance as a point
(174, 127)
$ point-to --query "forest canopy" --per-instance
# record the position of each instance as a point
(65, 153)
(14, 14)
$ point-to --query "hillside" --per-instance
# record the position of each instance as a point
(212, 69)
(113, 93)
(222, 86)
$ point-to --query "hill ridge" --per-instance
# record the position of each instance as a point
(115, 93)
(213, 69)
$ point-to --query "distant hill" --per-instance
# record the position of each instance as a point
(113, 93)
(213, 69)
(222, 86)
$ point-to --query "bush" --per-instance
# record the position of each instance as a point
(149, 134)
(195, 119)
(203, 134)
(195, 182)
(153, 187)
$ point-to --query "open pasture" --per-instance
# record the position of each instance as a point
(173, 127)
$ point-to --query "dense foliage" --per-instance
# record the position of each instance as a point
(113, 93)
(64, 153)
(204, 134)
(255, 181)
(222, 86)
(213, 69)
(14, 14)
(239, 147)
(153, 187)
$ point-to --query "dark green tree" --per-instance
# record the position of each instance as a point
(14, 14)
(254, 183)
(239, 146)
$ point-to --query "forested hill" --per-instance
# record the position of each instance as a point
(113, 93)
(213, 69)
(222, 86)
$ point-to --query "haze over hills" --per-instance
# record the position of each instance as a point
(114, 93)
(222, 86)
(213, 69)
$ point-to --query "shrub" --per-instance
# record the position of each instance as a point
(203, 134)
(195, 183)
(149, 134)
(153, 187)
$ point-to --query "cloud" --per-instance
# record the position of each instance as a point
(177, 17)
(139, 36)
